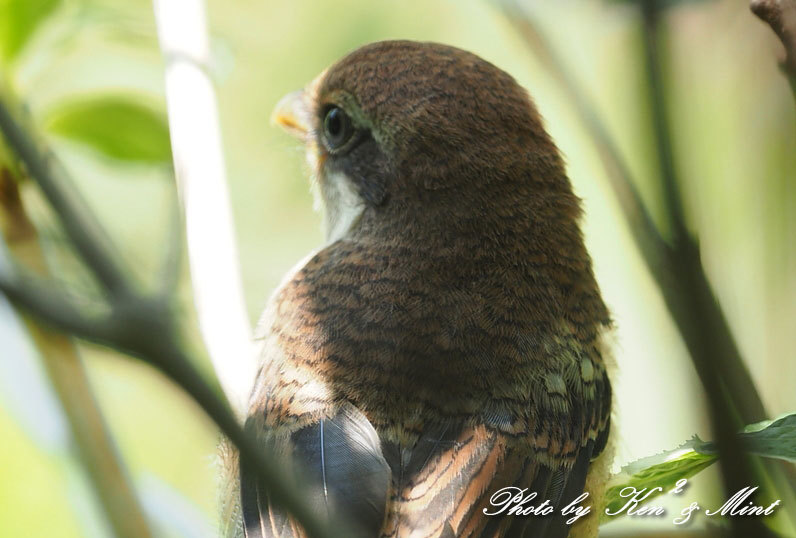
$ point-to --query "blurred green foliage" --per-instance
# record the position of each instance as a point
(115, 125)
(18, 21)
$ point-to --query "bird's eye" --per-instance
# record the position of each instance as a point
(337, 128)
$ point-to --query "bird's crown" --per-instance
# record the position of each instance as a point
(439, 116)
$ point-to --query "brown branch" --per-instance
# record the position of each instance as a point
(780, 15)
(139, 325)
(88, 238)
(95, 449)
(679, 282)
(640, 222)
(676, 266)
(140, 328)
(689, 297)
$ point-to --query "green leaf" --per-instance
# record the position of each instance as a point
(19, 19)
(120, 127)
(662, 470)
(771, 439)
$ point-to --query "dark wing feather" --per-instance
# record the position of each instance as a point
(442, 483)
(437, 486)
(575, 481)
(343, 474)
(447, 496)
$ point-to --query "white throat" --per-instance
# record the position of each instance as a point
(341, 203)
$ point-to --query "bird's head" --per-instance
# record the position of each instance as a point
(406, 131)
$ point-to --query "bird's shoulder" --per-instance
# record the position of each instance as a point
(460, 386)
(362, 323)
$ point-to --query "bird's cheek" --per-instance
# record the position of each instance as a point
(316, 160)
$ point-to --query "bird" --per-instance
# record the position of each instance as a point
(447, 345)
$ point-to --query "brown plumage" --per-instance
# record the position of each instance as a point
(447, 341)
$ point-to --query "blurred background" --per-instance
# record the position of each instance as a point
(733, 120)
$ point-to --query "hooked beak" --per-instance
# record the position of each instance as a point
(292, 114)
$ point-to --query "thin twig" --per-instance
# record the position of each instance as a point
(672, 197)
(143, 327)
(700, 319)
(677, 268)
(49, 304)
(138, 330)
(639, 219)
(660, 257)
(59, 355)
(280, 487)
(87, 236)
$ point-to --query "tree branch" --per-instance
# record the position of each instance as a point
(640, 223)
(672, 197)
(143, 327)
(95, 449)
(49, 304)
(87, 236)
(661, 258)
(676, 267)
(140, 331)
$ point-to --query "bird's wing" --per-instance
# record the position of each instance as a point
(427, 447)
(449, 496)
(449, 483)
(340, 470)
(446, 484)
